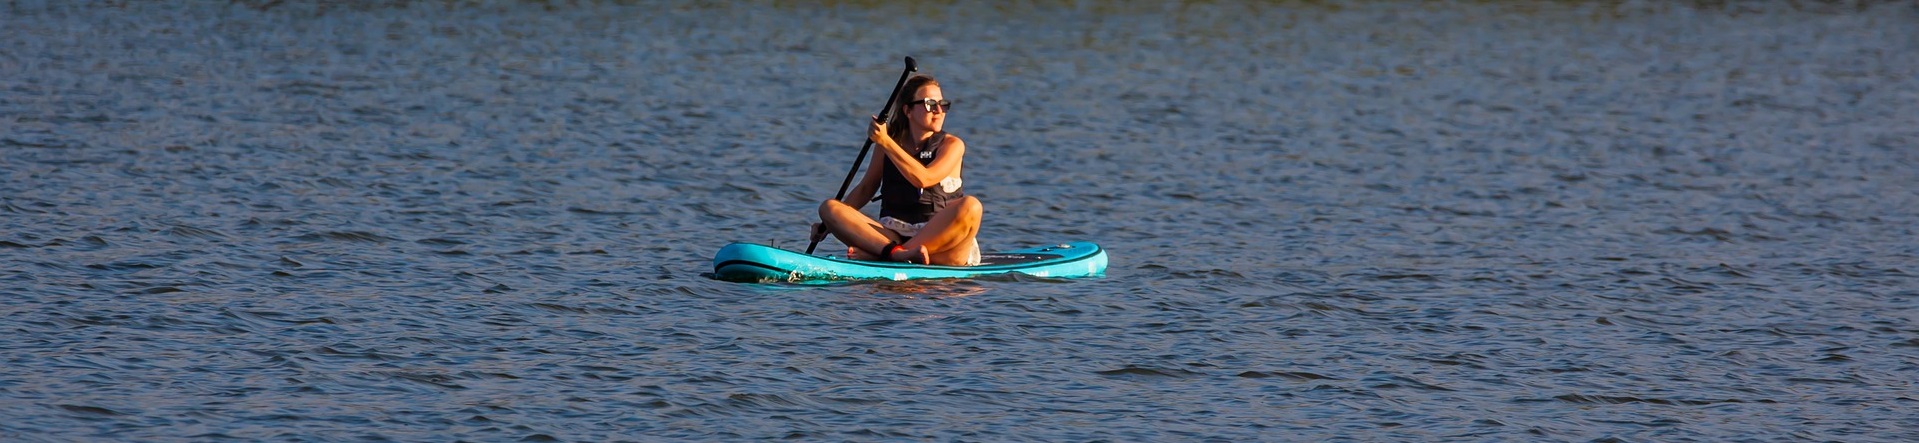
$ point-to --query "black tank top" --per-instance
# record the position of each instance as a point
(900, 200)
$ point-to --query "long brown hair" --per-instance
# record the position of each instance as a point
(897, 126)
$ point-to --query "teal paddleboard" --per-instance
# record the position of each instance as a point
(746, 262)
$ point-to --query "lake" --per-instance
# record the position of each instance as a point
(1368, 221)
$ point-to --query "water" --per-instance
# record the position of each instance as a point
(1381, 221)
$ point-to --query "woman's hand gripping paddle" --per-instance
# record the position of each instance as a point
(885, 114)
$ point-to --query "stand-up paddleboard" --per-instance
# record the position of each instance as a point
(746, 262)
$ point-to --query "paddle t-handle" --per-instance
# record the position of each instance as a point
(885, 114)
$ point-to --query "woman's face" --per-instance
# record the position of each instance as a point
(916, 112)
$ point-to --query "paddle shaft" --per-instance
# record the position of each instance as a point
(885, 114)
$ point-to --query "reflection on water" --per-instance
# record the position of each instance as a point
(1382, 221)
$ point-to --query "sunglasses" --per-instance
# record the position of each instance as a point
(944, 105)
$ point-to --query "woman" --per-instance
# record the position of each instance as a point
(925, 215)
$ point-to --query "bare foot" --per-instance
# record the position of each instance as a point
(855, 253)
(909, 255)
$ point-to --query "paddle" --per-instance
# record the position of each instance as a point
(885, 114)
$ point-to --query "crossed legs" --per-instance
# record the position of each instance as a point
(949, 238)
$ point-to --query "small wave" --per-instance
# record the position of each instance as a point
(1289, 375)
(441, 381)
(347, 236)
(1597, 399)
(275, 319)
(35, 143)
(157, 290)
(355, 354)
(437, 241)
(1400, 381)
(564, 309)
(184, 231)
(1151, 372)
(587, 211)
(93, 411)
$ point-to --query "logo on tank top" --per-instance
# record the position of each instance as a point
(926, 147)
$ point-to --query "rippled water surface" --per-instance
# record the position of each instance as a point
(1375, 221)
